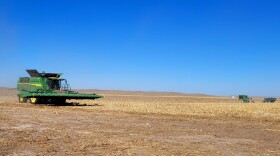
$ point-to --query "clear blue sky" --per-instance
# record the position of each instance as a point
(218, 47)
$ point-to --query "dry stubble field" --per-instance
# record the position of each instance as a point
(139, 123)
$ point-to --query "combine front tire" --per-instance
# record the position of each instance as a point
(34, 100)
(22, 100)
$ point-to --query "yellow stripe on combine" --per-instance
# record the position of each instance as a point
(37, 85)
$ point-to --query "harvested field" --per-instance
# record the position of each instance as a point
(139, 123)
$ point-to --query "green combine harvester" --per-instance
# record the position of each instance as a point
(47, 88)
(245, 98)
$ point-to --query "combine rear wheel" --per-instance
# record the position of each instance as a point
(34, 100)
(22, 100)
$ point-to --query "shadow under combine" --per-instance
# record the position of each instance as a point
(74, 104)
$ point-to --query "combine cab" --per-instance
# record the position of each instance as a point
(47, 88)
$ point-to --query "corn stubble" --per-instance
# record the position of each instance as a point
(126, 123)
(204, 106)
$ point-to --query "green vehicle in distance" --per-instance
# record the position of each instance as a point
(47, 88)
(269, 100)
(245, 98)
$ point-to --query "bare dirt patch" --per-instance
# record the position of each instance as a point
(137, 124)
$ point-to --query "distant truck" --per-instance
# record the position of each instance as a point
(269, 100)
(47, 88)
(245, 98)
